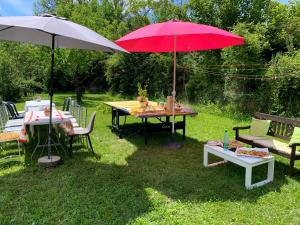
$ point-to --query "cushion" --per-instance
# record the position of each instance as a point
(69, 116)
(75, 124)
(296, 136)
(259, 127)
(16, 122)
(80, 131)
(13, 129)
(250, 137)
(280, 146)
(73, 120)
(66, 112)
(9, 136)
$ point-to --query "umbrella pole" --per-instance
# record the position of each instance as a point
(172, 144)
(50, 160)
(51, 96)
(174, 87)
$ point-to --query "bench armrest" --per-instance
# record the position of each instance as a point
(294, 145)
(241, 128)
(237, 129)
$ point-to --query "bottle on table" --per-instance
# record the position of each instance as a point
(226, 140)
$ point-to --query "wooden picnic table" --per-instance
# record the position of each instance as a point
(133, 108)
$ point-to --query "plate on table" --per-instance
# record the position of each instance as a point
(253, 152)
(215, 143)
(234, 144)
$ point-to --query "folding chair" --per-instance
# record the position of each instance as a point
(83, 132)
(9, 137)
(12, 110)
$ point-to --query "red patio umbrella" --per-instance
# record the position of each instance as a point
(177, 36)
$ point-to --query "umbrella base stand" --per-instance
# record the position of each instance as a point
(47, 163)
(174, 145)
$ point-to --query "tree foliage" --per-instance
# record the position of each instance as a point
(242, 76)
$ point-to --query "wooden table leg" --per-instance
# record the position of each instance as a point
(167, 119)
(118, 119)
(145, 130)
(113, 116)
(183, 132)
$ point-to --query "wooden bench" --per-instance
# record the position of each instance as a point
(281, 128)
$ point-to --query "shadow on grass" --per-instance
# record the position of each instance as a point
(90, 101)
(179, 173)
(84, 190)
(182, 176)
(77, 192)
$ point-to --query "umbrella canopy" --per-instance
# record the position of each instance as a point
(160, 37)
(40, 29)
(55, 32)
(177, 36)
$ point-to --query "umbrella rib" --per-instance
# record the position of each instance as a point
(47, 32)
(6, 28)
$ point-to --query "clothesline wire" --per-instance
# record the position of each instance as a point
(264, 66)
(245, 77)
(218, 68)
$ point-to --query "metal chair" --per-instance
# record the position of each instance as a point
(75, 112)
(10, 137)
(12, 110)
(66, 105)
(7, 125)
(83, 132)
(83, 116)
(20, 114)
(3, 116)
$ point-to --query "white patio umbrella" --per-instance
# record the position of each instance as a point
(55, 32)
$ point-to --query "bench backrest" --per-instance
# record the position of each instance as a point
(281, 127)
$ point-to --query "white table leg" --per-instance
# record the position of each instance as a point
(263, 182)
(271, 171)
(205, 158)
(248, 177)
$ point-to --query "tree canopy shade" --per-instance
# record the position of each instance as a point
(226, 77)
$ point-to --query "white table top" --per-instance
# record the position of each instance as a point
(39, 118)
(231, 155)
(35, 105)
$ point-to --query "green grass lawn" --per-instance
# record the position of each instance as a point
(137, 184)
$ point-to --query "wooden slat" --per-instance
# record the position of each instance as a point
(293, 121)
(283, 128)
(281, 136)
(289, 130)
(273, 127)
(278, 128)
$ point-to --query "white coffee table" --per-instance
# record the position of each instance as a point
(244, 161)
